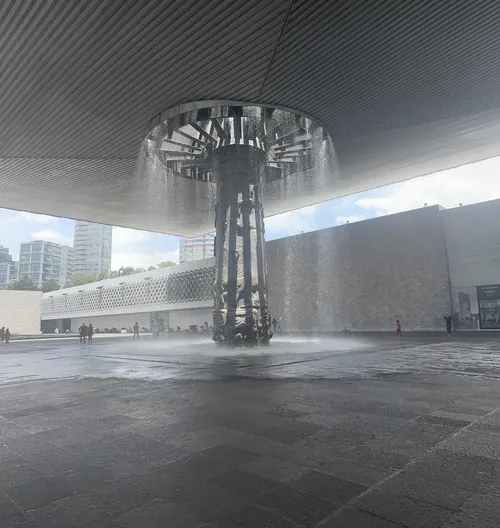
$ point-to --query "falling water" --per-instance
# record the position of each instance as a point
(186, 203)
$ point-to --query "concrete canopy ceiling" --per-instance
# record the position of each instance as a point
(404, 88)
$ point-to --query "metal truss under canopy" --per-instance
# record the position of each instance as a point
(243, 153)
(176, 163)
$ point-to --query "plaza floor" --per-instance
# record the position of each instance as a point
(334, 433)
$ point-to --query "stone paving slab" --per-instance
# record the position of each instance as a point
(267, 445)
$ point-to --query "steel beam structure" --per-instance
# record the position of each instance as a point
(240, 151)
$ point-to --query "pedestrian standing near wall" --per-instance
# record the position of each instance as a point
(398, 329)
(2, 334)
(83, 333)
(448, 320)
(7, 336)
(90, 332)
(136, 330)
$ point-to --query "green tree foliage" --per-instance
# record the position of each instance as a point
(166, 264)
(127, 270)
(49, 285)
(78, 280)
(24, 284)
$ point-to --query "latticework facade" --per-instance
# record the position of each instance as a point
(135, 293)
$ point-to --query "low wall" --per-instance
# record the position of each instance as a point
(20, 311)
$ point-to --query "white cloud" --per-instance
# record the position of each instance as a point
(52, 236)
(350, 219)
(123, 236)
(37, 218)
(142, 259)
(468, 184)
(294, 222)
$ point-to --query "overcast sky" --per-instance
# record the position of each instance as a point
(468, 184)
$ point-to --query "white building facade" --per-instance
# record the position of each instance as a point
(67, 263)
(176, 296)
(92, 248)
(8, 268)
(5, 255)
(198, 248)
(8, 274)
(40, 260)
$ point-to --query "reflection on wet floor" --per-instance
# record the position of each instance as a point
(288, 357)
(322, 432)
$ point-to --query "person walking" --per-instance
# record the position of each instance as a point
(275, 324)
(90, 332)
(2, 334)
(83, 333)
(7, 336)
(448, 320)
(136, 330)
(398, 329)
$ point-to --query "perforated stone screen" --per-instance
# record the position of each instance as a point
(184, 287)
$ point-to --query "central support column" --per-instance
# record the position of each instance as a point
(240, 298)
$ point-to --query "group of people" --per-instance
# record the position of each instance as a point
(4, 335)
(86, 332)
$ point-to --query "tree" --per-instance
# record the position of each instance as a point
(127, 270)
(78, 280)
(23, 284)
(166, 264)
(49, 285)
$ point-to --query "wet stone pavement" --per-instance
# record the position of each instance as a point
(341, 433)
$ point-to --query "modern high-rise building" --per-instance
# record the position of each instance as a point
(92, 244)
(67, 263)
(5, 256)
(198, 248)
(8, 273)
(40, 260)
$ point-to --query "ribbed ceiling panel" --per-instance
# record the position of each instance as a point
(96, 84)
(371, 67)
(81, 80)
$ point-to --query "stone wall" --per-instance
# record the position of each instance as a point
(363, 275)
(20, 311)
